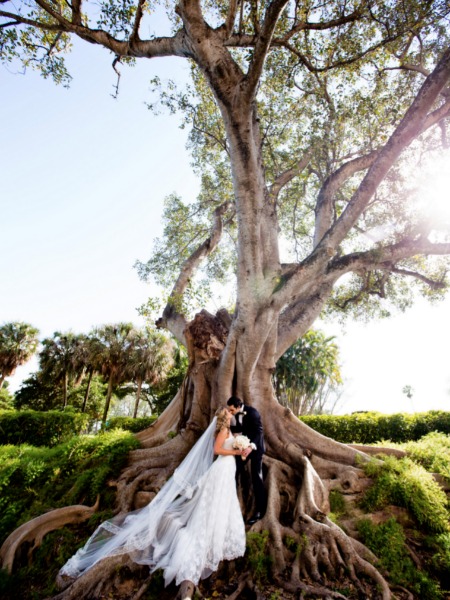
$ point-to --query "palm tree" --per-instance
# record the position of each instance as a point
(116, 342)
(87, 359)
(151, 357)
(18, 343)
(58, 359)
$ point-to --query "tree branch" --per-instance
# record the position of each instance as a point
(306, 304)
(287, 176)
(262, 46)
(340, 63)
(413, 124)
(19, 20)
(385, 258)
(432, 283)
(416, 69)
(305, 25)
(162, 46)
(231, 16)
(134, 37)
(76, 12)
(172, 319)
(324, 206)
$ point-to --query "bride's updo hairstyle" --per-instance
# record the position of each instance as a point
(222, 419)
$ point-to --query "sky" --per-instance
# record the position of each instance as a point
(84, 177)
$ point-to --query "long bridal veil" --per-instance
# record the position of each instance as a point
(148, 533)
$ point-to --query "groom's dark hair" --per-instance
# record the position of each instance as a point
(234, 401)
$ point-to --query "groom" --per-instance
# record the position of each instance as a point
(248, 422)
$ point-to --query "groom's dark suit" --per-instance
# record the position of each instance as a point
(248, 422)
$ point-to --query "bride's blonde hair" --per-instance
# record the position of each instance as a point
(222, 419)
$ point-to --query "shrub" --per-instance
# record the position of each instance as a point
(40, 428)
(432, 452)
(407, 484)
(388, 542)
(34, 480)
(130, 423)
(372, 427)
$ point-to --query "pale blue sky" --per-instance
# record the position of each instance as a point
(83, 180)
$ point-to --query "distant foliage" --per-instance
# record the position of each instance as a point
(18, 343)
(307, 377)
(89, 372)
(6, 399)
(38, 393)
(164, 393)
(133, 424)
(372, 427)
(40, 428)
(35, 480)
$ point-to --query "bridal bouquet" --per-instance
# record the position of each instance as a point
(241, 442)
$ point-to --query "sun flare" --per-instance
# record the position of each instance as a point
(433, 194)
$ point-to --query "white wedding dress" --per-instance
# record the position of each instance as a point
(192, 524)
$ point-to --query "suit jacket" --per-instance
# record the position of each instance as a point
(249, 423)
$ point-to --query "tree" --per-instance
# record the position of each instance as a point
(59, 360)
(149, 360)
(306, 373)
(18, 343)
(38, 393)
(88, 357)
(309, 120)
(116, 342)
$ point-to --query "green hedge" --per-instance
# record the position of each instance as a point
(40, 428)
(372, 427)
(129, 423)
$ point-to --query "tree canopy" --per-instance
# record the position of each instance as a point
(18, 343)
(332, 83)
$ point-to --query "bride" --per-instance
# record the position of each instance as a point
(192, 524)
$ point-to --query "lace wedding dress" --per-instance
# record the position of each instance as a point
(192, 524)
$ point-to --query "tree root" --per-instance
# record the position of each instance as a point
(186, 591)
(33, 532)
(103, 577)
(312, 548)
(150, 468)
(374, 450)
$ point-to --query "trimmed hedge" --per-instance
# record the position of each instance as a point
(40, 428)
(372, 427)
(130, 423)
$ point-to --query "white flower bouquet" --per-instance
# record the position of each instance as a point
(241, 442)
